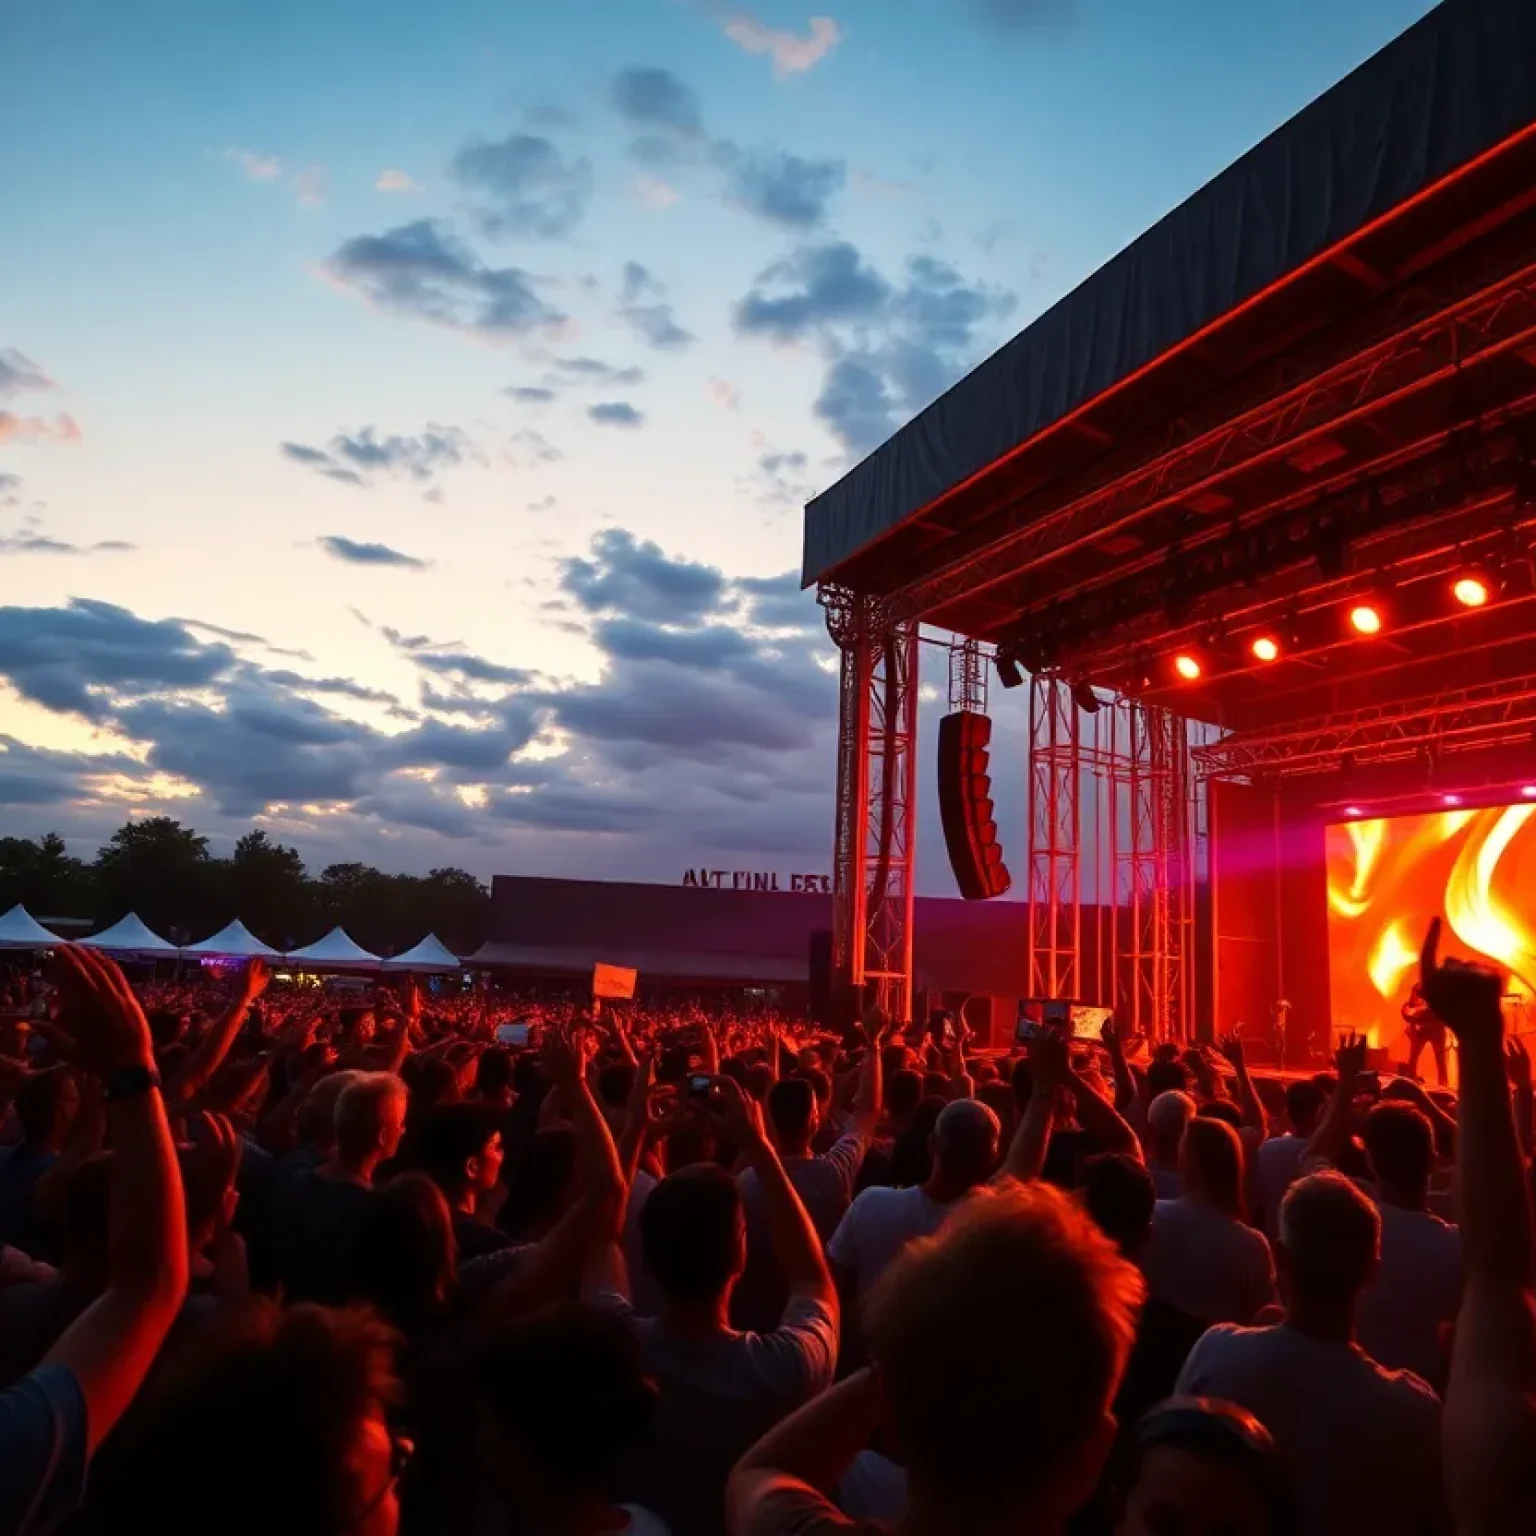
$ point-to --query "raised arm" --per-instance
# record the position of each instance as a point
(869, 1102)
(1490, 1405)
(1332, 1133)
(597, 1217)
(790, 1229)
(1049, 1068)
(1125, 1079)
(110, 1347)
(208, 1055)
(1254, 1118)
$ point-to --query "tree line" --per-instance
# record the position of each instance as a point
(163, 871)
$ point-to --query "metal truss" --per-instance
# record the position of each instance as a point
(875, 835)
(1111, 796)
(1478, 715)
(967, 676)
(1197, 456)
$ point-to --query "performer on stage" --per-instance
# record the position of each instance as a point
(1424, 1028)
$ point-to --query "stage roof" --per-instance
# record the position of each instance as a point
(1288, 241)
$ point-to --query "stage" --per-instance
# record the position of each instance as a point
(1246, 524)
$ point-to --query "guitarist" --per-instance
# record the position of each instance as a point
(1424, 1028)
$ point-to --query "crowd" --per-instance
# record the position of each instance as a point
(269, 1267)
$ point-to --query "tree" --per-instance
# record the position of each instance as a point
(43, 876)
(157, 868)
(265, 885)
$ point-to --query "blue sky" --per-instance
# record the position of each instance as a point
(405, 412)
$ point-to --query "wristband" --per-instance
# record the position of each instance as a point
(131, 1082)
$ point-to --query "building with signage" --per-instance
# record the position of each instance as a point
(695, 937)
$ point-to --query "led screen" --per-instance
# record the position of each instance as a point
(1387, 878)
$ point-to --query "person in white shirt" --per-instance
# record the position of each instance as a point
(1277, 1164)
(1406, 1312)
(1202, 1258)
(1364, 1442)
(881, 1222)
(1167, 1115)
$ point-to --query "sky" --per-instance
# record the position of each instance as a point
(406, 412)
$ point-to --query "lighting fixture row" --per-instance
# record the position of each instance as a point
(1450, 801)
(1362, 616)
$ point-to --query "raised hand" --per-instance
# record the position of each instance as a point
(1050, 1061)
(1349, 1060)
(1466, 996)
(1231, 1047)
(565, 1056)
(102, 1015)
(255, 978)
(214, 1163)
(1109, 1035)
(738, 1115)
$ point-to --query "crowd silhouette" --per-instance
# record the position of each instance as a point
(273, 1266)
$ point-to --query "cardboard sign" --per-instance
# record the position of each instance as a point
(613, 981)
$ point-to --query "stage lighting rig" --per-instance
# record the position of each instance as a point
(1265, 648)
(1085, 698)
(1008, 673)
(1365, 617)
(1187, 665)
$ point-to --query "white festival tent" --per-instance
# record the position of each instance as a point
(20, 930)
(337, 951)
(130, 937)
(236, 942)
(429, 955)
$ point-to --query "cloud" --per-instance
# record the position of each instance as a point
(530, 449)
(33, 543)
(530, 394)
(19, 375)
(256, 167)
(656, 193)
(353, 553)
(791, 55)
(655, 100)
(652, 321)
(814, 287)
(310, 186)
(889, 348)
(615, 413)
(781, 479)
(528, 187)
(396, 181)
(61, 428)
(725, 394)
(593, 370)
(421, 271)
(364, 458)
(626, 575)
(786, 189)
(10, 490)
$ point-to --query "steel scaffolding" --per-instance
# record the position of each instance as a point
(1111, 797)
(875, 837)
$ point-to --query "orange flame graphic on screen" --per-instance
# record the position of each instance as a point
(1391, 957)
(1479, 919)
(1366, 839)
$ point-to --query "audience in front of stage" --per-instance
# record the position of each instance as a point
(401, 1278)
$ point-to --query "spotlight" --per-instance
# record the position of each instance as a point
(1008, 673)
(1365, 619)
(1474, 587)
(1528, 791)
(1450, 799)
(1188, 667)
(1085, 698)
(1352, 810)
(1265, 648)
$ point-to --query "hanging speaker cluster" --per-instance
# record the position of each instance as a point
(965, 805)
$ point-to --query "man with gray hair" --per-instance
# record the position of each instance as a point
(1312, 1386)
(1167, 1116)
(321, 1211)
(881, 1222)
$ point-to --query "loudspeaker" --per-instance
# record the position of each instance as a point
(965, 806)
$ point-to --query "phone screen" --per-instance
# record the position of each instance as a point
(1026, 1031)
(699, 1085)
(512, 1034)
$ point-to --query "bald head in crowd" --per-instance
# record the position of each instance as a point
(965, 1144)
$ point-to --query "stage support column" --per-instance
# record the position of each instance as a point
(875, 838)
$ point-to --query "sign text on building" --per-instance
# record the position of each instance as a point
(756, 880)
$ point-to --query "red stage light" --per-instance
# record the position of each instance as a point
(1352, 810)
(1471, 591)
(1365, 619)
(1450, 799)
(1266, 648)
(1529, 791)
(1187, 666)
